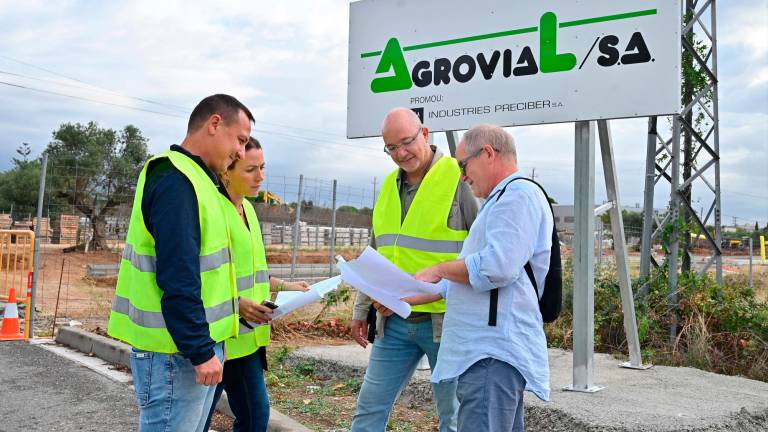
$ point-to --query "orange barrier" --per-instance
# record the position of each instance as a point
(17, 249)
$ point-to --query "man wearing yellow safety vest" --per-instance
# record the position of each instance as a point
(176, 296)
(421, 218)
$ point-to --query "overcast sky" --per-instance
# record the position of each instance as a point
(287, 61)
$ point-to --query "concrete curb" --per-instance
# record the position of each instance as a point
(116, 352)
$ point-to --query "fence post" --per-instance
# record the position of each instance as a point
(333, 232)
(750, 262)
(296, 231)
(36, 256)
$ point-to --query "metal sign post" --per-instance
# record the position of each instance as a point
(583, 260)
(620, 247)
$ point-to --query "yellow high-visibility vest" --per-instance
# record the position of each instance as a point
(423, 239)
(136, 316)
(252, 277)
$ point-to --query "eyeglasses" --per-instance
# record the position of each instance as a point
(463, 162)
(393, 148)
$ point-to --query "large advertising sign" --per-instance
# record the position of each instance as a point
(511, 62)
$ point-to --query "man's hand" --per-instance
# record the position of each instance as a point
(360, 332)
(421, 299)
(210, 372)
(383, 310)
(254, 312)
(430, 274)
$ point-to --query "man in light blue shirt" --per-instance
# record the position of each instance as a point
(495, 363)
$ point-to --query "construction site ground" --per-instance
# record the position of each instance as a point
(298, 386)
(63, 278)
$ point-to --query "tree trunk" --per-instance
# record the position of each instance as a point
(99, 240)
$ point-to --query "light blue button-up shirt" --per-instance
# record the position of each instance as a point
(506, 234)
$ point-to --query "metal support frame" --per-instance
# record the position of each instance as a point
(453, 141)
(620, 247)
(583, 259)
(663, 158)
(650, 182)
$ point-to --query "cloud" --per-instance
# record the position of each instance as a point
(288, 63)
(745, 24)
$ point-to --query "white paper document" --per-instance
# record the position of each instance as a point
(325, 286)
(284, 297)
(383, 281)
(289, 301)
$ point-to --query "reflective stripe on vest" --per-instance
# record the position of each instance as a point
(147, 263)
(155, 319)
(425, 245)
(246, 282)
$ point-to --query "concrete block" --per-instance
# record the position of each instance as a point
(105, 348)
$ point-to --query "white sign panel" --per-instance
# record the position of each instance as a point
(511, 62)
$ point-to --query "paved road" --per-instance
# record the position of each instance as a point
(40, 391)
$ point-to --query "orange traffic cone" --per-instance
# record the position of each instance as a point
(10, 328)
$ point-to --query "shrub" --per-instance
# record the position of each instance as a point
(720, 329)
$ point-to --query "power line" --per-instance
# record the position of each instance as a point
(91, 87)
(176, 107)
(89, 99)
(316, 141)
(747, 195)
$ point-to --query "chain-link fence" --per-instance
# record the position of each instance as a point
(305, 223)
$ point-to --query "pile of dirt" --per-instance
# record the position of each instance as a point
(307, 257)
(334, 328)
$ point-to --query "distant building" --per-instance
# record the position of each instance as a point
(564, 215)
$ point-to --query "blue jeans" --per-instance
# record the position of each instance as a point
(490, 396)
(169, 399)
(246, 393)
(393, 360)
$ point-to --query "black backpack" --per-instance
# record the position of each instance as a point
(552, 299)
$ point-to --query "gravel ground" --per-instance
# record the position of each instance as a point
(44, 392)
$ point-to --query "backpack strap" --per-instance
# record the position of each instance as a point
(493, 307)
(529, 272)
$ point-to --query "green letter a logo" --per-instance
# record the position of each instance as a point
(392, 58)
(549, 59)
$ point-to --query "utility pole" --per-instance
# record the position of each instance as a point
(373, 203)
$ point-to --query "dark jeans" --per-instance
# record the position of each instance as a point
(246, 392)
(490, 396)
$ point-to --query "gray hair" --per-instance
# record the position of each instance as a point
(480, 135)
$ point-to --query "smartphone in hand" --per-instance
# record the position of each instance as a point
(269, 304)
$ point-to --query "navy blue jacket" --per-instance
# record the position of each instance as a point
(170, 210)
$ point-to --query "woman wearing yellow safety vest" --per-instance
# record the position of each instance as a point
(246, 354)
